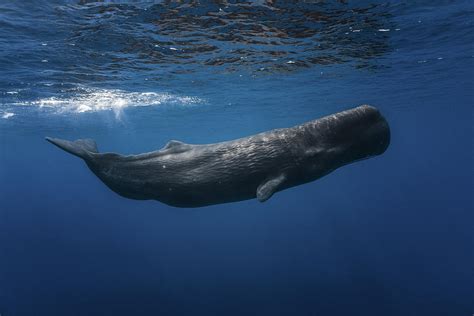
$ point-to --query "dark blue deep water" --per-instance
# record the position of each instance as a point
(392, 235)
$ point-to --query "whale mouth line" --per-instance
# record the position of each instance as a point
(89, 100)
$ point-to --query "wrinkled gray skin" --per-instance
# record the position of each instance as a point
(185, 175)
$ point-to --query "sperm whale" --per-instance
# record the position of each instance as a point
(257, 166)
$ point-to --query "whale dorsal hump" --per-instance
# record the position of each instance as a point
(175, 144)
(266, 189)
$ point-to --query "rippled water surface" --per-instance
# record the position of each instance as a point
(387, 236)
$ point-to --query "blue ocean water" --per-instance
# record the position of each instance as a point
(393, 235)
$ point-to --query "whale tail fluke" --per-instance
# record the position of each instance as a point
(82, 148)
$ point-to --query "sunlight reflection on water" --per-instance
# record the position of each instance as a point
(94, 100)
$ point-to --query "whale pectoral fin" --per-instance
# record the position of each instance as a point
(270, 186)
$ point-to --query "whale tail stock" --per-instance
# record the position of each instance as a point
(82, 148)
